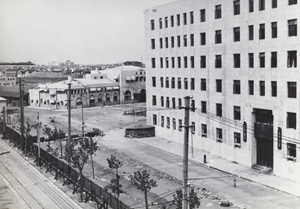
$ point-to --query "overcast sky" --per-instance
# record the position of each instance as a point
(83, 31)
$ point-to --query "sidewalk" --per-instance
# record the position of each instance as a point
(223, 165)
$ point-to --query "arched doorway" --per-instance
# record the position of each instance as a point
(107, 98)
(127, 95)
(143, 95)
(78, 102)
(92, 101)
(115, 97)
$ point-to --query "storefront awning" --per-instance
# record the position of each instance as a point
(92, 89)
(108, 88)
(116, 87)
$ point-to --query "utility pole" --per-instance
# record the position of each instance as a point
(24, 141)
(82, 118)
(4, 123)
(69, 113)
(186, 150)
(38, 139)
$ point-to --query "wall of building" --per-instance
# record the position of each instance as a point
(280, 105)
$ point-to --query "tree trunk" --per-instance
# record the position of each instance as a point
(80, 184)
(146, 199)
(61, 151)
(93, 166)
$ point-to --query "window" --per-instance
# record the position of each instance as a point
(192, 59)
(173, 62)
(251, 32)
(161, 43)
(251, 87)
(172, 41)
(167, 82)
(178, 19)
(218, 12)
(166, 42)
(291, 2)
(292, 59)
(172, 21)
(185, 83)
(154, 119)
(236, 7)
(161, 62)
(236, 60)
(273, 59)
(184, 19)
(161, 82)
(193, 127)
(218, 85)
(162, 101)
(192, 83)
(166, 22)
(203, 107)
(185, 62)
(274, 3)
(153, 100)
(193, 105)
(173, 83)
(173, 103)
(167, 62)
(236, 112)
(152, 25)
(154, 81)
(202, 39)
(261, 5)
(153, 43)
(203, 61)
(237, 139)
(292, 24)
(251, 60)
(219, 133)
(192, 17)
(262, 88)
(167, 102)
(203, 130)
(251, 5)
(236, 87)
(160, 23)
(236, 34)
(203, 84)
(291, 120)
(179, 102)
(162, 120)
(274, 88)
(192, 39)
(292, 89)
(184, 40)
(218, 61)
(174, 123)
(179, 62)
(179, 125)
(262, 31)
(178, 41)
(219, 110)
(153, 62)
(218, 36)
(202, 15)
(274, 29)
(291, 150)
(262, 60)
(179, 83)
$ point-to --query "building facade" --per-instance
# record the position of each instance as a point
(96, 90)
(238, 61)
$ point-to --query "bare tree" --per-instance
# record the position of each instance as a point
(91, 147)
(53, 135)
(142, 181)
(115, 185)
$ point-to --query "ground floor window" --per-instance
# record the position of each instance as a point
(204, 130)
(154, 119)
(291, 151)
(237, 139)
(115, 97)
(219, 134)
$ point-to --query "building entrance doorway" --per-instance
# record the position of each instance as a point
(263, 132)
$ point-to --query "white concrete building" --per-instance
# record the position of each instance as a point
(238, 60)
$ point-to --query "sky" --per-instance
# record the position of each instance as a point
(83, 31)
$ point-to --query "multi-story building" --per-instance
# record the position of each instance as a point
(238, 61)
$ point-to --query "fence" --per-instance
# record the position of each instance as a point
(70, 175)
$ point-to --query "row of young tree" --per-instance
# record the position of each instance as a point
(81, 149)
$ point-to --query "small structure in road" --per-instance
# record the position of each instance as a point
(140, 131)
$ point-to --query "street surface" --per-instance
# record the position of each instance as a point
(165, 167)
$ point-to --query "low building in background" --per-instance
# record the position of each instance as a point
(131, 77)
(94, 90)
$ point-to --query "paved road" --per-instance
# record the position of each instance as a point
(246, 193)
(23, 186)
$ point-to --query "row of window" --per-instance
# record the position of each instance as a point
(218, 14)
(166, 62)
(164, 43)
(291, 86)
(7, 79)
